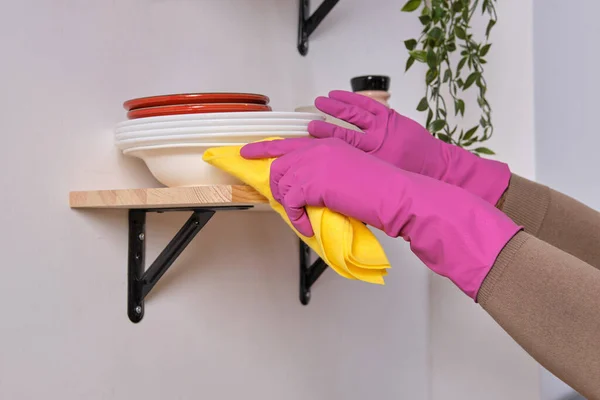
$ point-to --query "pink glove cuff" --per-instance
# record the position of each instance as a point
(456, 234)
(469, 278)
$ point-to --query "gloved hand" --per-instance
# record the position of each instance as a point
(454, 233)
(406, 144)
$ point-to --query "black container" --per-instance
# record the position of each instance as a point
(370, 82)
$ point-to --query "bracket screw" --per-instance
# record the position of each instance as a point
(138, 310)
(141, 236)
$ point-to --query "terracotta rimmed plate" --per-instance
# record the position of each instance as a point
(195, 109)
(194, 98)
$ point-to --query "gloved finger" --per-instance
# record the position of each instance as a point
(294, 205)
(273, 148)
(321, 130)
(347, 112)
(279, 168)
(364, 102)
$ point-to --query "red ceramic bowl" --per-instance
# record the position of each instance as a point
(194, 98)
(195, 109)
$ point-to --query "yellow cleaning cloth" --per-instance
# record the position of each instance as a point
(345, 244)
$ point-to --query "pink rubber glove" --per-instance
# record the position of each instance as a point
(406, 144)
(454, 233)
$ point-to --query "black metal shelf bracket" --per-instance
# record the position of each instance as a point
(309, 273)
(308, 23)
(140, 281)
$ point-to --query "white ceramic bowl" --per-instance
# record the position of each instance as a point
(254, 131)
(222, 116)
(234, 138)
(248, 123)
(181, 165)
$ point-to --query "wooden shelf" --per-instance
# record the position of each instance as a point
(203, 202)
(181, 197)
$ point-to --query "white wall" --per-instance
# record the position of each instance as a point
(566, 103)
(225, 322)
(472, 357)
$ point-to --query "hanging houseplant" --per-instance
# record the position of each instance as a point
(455, 63)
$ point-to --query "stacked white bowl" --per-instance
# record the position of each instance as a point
(172, 145)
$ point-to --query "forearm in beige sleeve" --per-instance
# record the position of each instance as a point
(549, 302)
(554, 218)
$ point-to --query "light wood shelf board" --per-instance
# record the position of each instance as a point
(199, 196)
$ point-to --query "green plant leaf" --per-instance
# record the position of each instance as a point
(419, 55)
(430, 76)
(438, 13)
(411, 5)
(459, 107)
(470, 80)
(484, 150)
(484, 50)
(460, 32)
(423, 104)
(429, 118)
(425, 19)
(487, 133)
(437, 125)
(482, 122)
(447, 75)
(436, 33)
(443, 137)
(484, 102)
(409, 63)
(470, 142)
(410, 44)
(451, 46)
(470, 132)
(457, 7)
(489, 27)
(461, 64)
(431, 59)
(465, 13)
(480, 84)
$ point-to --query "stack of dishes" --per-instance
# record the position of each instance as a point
(170, 133)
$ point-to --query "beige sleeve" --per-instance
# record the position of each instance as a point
(554, 218)
(549, 302)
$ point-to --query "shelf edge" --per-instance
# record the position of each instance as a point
(199, 196)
